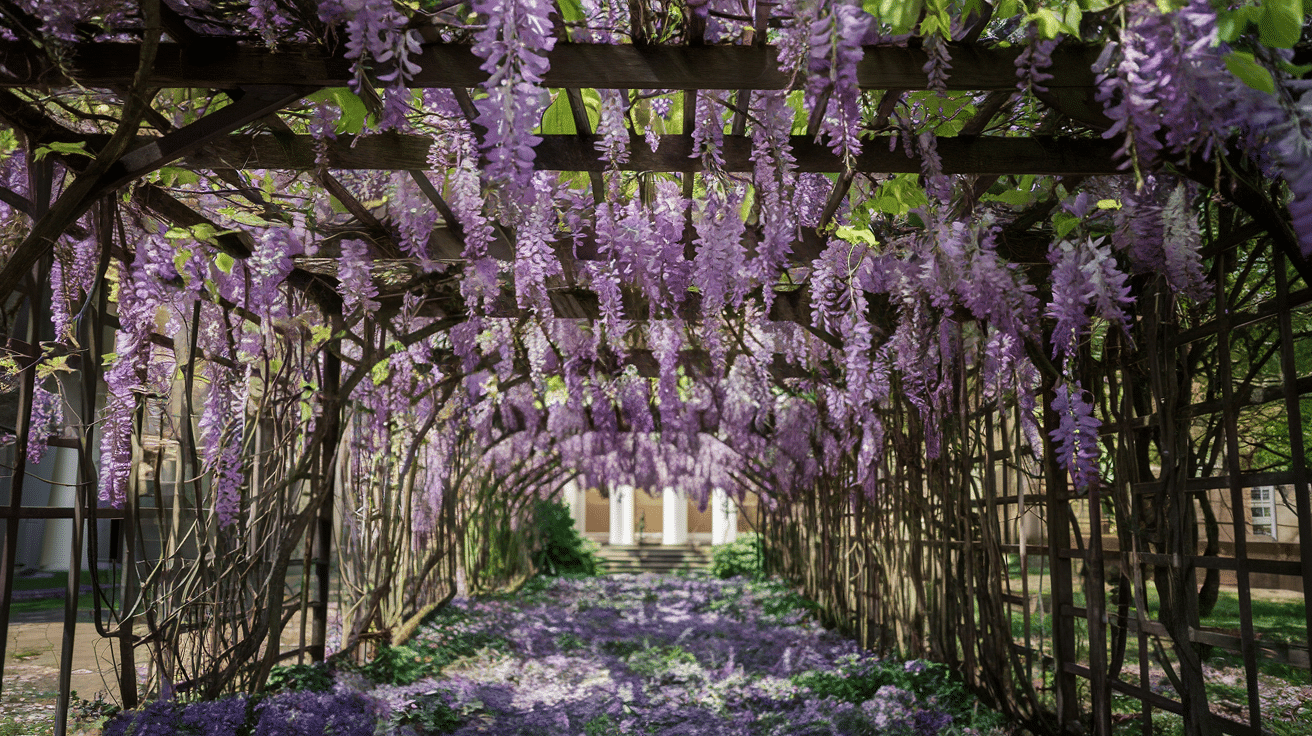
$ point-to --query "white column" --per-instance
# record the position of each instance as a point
(724, 517)
(56, 546)
(674, 517)
(621, 515)
(576, 498)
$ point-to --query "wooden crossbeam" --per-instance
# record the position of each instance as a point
(222, 62)
(1040, 155)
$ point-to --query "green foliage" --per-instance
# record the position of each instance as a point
(396, 666)
(783, 603)
(354, 113)
(298, 677)
(653, 661)
(740, 557)
(900, 14)
(569, 643)
(928, 681)
(1243, 65)
(558, 118)
(600, 726)
(65, 149)
(559, 549)
(431, 713)
(897, 196)
(422, 657)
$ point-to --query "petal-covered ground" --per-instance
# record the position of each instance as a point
(645, 654)
(654, 655)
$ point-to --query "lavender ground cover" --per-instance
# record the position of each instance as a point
(644, 654)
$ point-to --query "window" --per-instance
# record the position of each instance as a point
(1263, 507)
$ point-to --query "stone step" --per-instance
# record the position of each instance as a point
(653, 558)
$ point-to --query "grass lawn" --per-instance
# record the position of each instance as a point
(1279, 619)
(47, 580)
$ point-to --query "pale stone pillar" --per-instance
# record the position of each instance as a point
(674, 517)
(724, 517)
(57, 544)
(576, 498)
(621, 515)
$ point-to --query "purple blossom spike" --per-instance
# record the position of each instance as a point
(1077, 435)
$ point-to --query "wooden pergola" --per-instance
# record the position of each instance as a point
(1152, 384)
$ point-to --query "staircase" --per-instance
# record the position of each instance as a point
(617, 558)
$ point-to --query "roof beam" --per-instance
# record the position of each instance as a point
(221, 63)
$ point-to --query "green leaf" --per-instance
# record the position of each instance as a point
(244, 217)
(66, 149)
(1281, 24)
(1243, 65)
(1109, 204)
(354, 112)
(170, 176)
(900, 14)
(856, 235)
(558, 118)
(320, 334)
(1016, 197)
(1071, 19)
(1231, 23)
(45, 368)
(1047, 22)
(380, 372)
(224, 262)
(1063, 223)
(204, 232)
(180, 258)
(571, 11)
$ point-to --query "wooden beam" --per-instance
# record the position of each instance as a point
(1040, 155)
(224, 62)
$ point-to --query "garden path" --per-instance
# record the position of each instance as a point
(650, 654)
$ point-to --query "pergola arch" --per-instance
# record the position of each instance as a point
(919, 346)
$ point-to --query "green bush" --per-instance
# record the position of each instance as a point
(422, 657)
(431, 713)
(559, 549)
(930, 682)
(297, 677)
(398, 666)
(740, 557)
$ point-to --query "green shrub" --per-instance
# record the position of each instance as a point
(431, 713)
(742, 556)
(420, 658)
(297, 677)
(928, 681)
(657, 660)
(600, 726)
(397, 666)
(559, 549)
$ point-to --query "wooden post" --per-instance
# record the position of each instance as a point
(1095, 598)
(1175, 582)
(9, 554)
(323, 534)
(1294, 417)
(70, 610)
(1063, 624)
(1239, 527)
(40, 174)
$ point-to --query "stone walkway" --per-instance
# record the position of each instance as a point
(31, 674)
